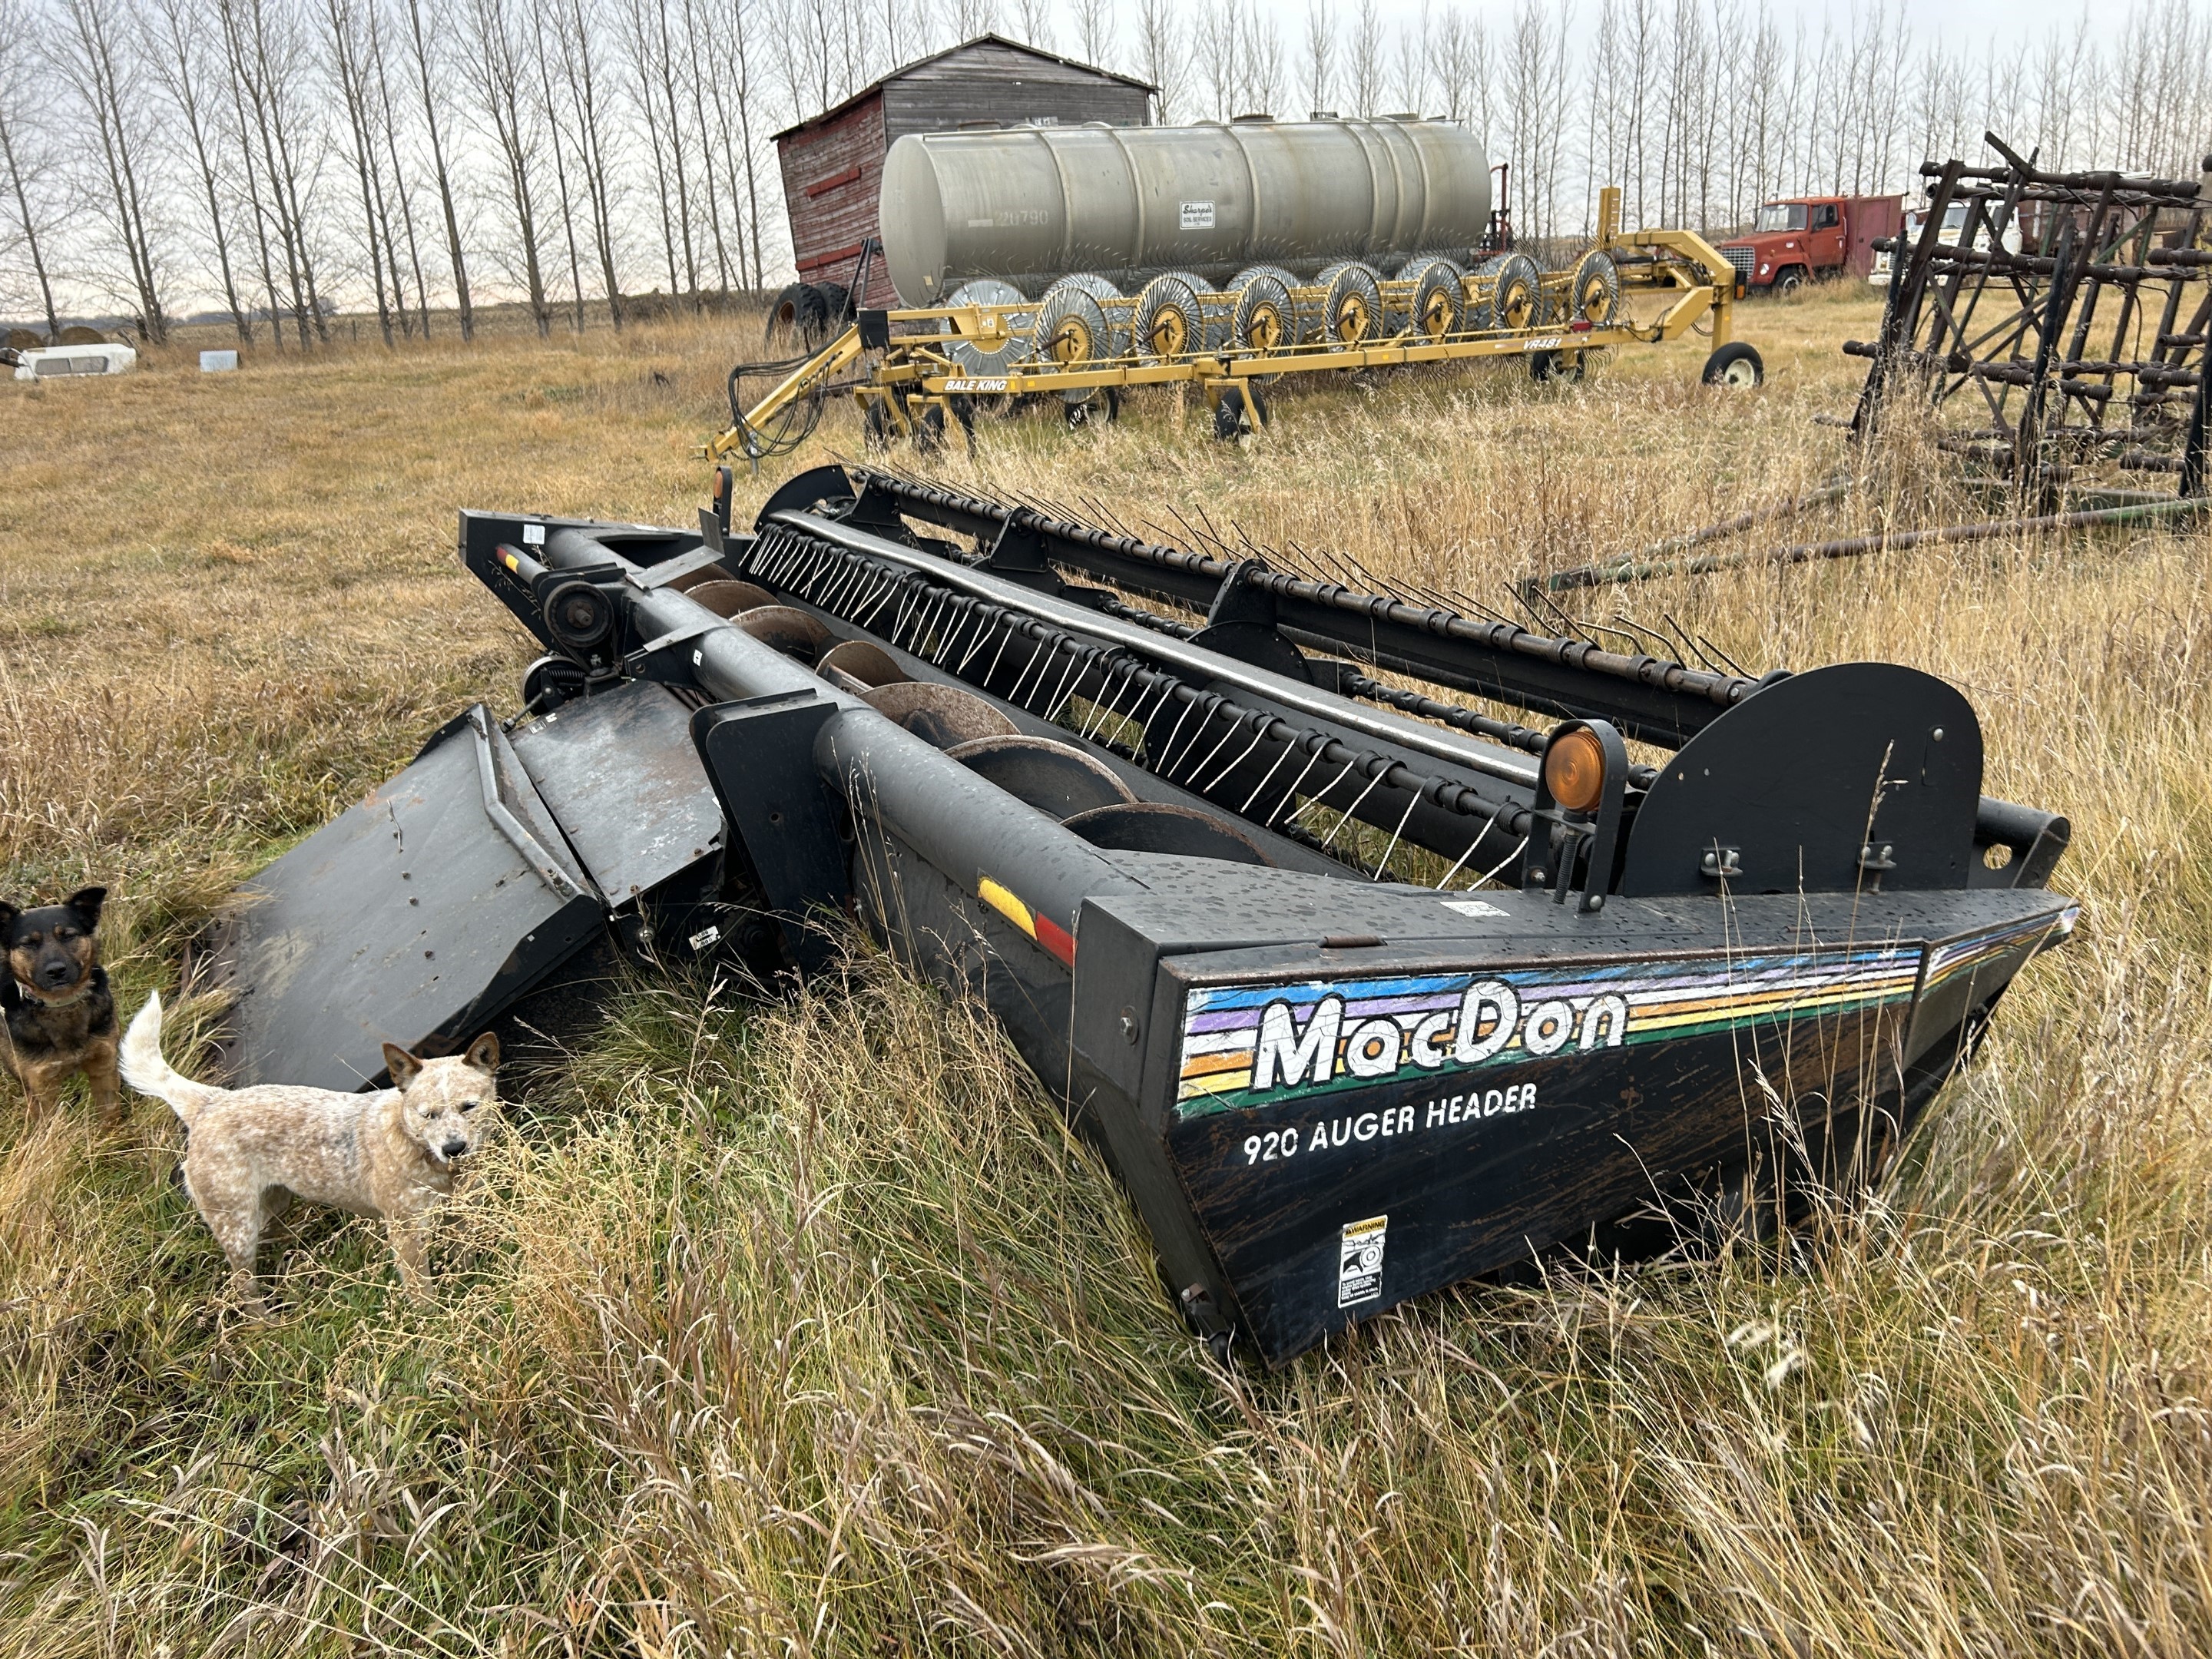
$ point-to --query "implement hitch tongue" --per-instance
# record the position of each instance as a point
(1362, 989)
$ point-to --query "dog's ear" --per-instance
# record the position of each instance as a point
(484, 1053)
(404, 1067)
(86, 903)
(8, 913)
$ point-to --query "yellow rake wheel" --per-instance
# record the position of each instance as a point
(1072, 329)
(1517, 298)
(1168, 322)
(1593, 293)
(1354, 311)
(1265, 319)
(1439, 303)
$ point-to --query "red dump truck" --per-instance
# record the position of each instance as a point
(1800, 237)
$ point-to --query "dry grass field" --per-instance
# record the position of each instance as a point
(807, 1329)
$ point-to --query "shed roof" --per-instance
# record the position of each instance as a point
(905, 69)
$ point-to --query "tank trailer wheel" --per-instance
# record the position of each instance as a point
(1737, 366)
(1565, 366)
(1100, 408)
(929, 430)
(1241, 411)
(1354, 308)
(1265, 319)
(1168, 323)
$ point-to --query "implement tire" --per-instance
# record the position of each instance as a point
(1737, 366)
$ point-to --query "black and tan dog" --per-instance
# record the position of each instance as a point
(59, 1016)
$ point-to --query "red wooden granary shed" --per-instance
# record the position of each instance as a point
(833, 165)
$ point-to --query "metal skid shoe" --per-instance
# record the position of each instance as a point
(1363, 986)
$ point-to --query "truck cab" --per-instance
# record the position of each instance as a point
(1798, 239)
(1954, 228)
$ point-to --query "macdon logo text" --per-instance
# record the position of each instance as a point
(1487, 1019)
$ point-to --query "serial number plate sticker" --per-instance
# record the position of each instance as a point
(1473, 908)
(1359, 1261)
(1198, 216)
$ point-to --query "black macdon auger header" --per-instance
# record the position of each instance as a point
(1362, 990)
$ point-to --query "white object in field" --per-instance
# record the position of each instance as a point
(54, 362)
(218, 363)
(1954, 221)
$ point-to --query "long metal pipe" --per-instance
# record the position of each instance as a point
(1590, 575)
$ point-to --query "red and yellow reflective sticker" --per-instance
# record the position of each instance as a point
(507, 556)
(1057, 941)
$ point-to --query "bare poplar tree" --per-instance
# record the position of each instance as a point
(241, 136)
(1266, 85)
(261, 40)
(654, 68)
(1094, 30)
(745, 92)
(697, 31)
(560, 141)
(1216, 48)
(1535, 95)
(969, 18)
(94, 56)
(1318, 65)
(502, 85)
(1412, 66)
(1033, 20)
(1364, 66)
(418, 41)
(579, 37)
(20, 116)
(348, 43)
(1160, 53)
(179, 65)
(388, 122)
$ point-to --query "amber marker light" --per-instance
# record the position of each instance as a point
(1574, 770)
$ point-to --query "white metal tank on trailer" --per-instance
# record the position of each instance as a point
(1028, 205)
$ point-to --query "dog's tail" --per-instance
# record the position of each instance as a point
(144, 1069)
